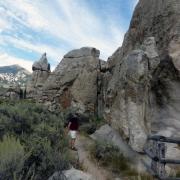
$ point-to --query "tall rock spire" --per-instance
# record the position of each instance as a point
(41, 71)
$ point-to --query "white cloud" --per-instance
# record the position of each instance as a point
(24, 11)
(39, 48)
(81, 27)
(3, 25)
(69, 21)
(6, 59)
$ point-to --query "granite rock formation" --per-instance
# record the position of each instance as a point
(136, 90)
(41, 71)
(72, 174)
(73, 84)
(13, 93)
(142, 95)
(107, 134)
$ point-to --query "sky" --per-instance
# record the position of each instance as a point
(28, 28)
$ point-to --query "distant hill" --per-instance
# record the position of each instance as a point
(13, 75)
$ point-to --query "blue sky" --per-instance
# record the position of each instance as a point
(29, 28)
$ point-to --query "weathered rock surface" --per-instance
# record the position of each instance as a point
(137, 90)
(109, 135)
(142, 95)
(73, 84)
(41, 71)
(42, 64)
(13, 93)
(83, 52)
(72, 174)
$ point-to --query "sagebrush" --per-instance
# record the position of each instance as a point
(34, 137)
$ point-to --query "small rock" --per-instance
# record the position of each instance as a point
(71, 174)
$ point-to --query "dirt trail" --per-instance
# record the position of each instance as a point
(89, 165)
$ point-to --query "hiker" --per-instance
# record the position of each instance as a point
(72, 128)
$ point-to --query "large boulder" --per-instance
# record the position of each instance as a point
(83, 52)
(127, 108)
(42, 64)
(142, 94)
(72, 174)
(111, 136)
(136, 90)
(73, 84)
(15, 92)
(41, 71)
(107, 134)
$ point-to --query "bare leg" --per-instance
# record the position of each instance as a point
(73, 143)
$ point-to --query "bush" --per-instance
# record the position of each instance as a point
(141, 177)
(40, 132)
(109, 155)
(12, 157)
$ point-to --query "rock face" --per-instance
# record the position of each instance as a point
(13, 93)
(109, 135)
(41, 71)
(142, 95)
(137, 89)
(72, 174)
(73, 84)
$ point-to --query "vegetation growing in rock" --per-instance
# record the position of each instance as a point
(33, 145)
(110, 156)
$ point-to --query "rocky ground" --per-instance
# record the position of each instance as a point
(89, 164)
(92, 167)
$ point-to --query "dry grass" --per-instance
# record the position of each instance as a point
(110, 157)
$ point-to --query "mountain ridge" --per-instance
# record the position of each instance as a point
(13, 75)
(12, 68)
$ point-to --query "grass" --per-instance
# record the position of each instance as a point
(29, 130)
(12, 156)
(141, 177)
(110, 157)
(178, 174)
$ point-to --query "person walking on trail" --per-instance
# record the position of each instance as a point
(73, 126)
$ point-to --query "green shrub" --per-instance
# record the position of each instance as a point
(12, 157)
(109, 155)
(178, 174)
(40, 132)
(141, 177)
